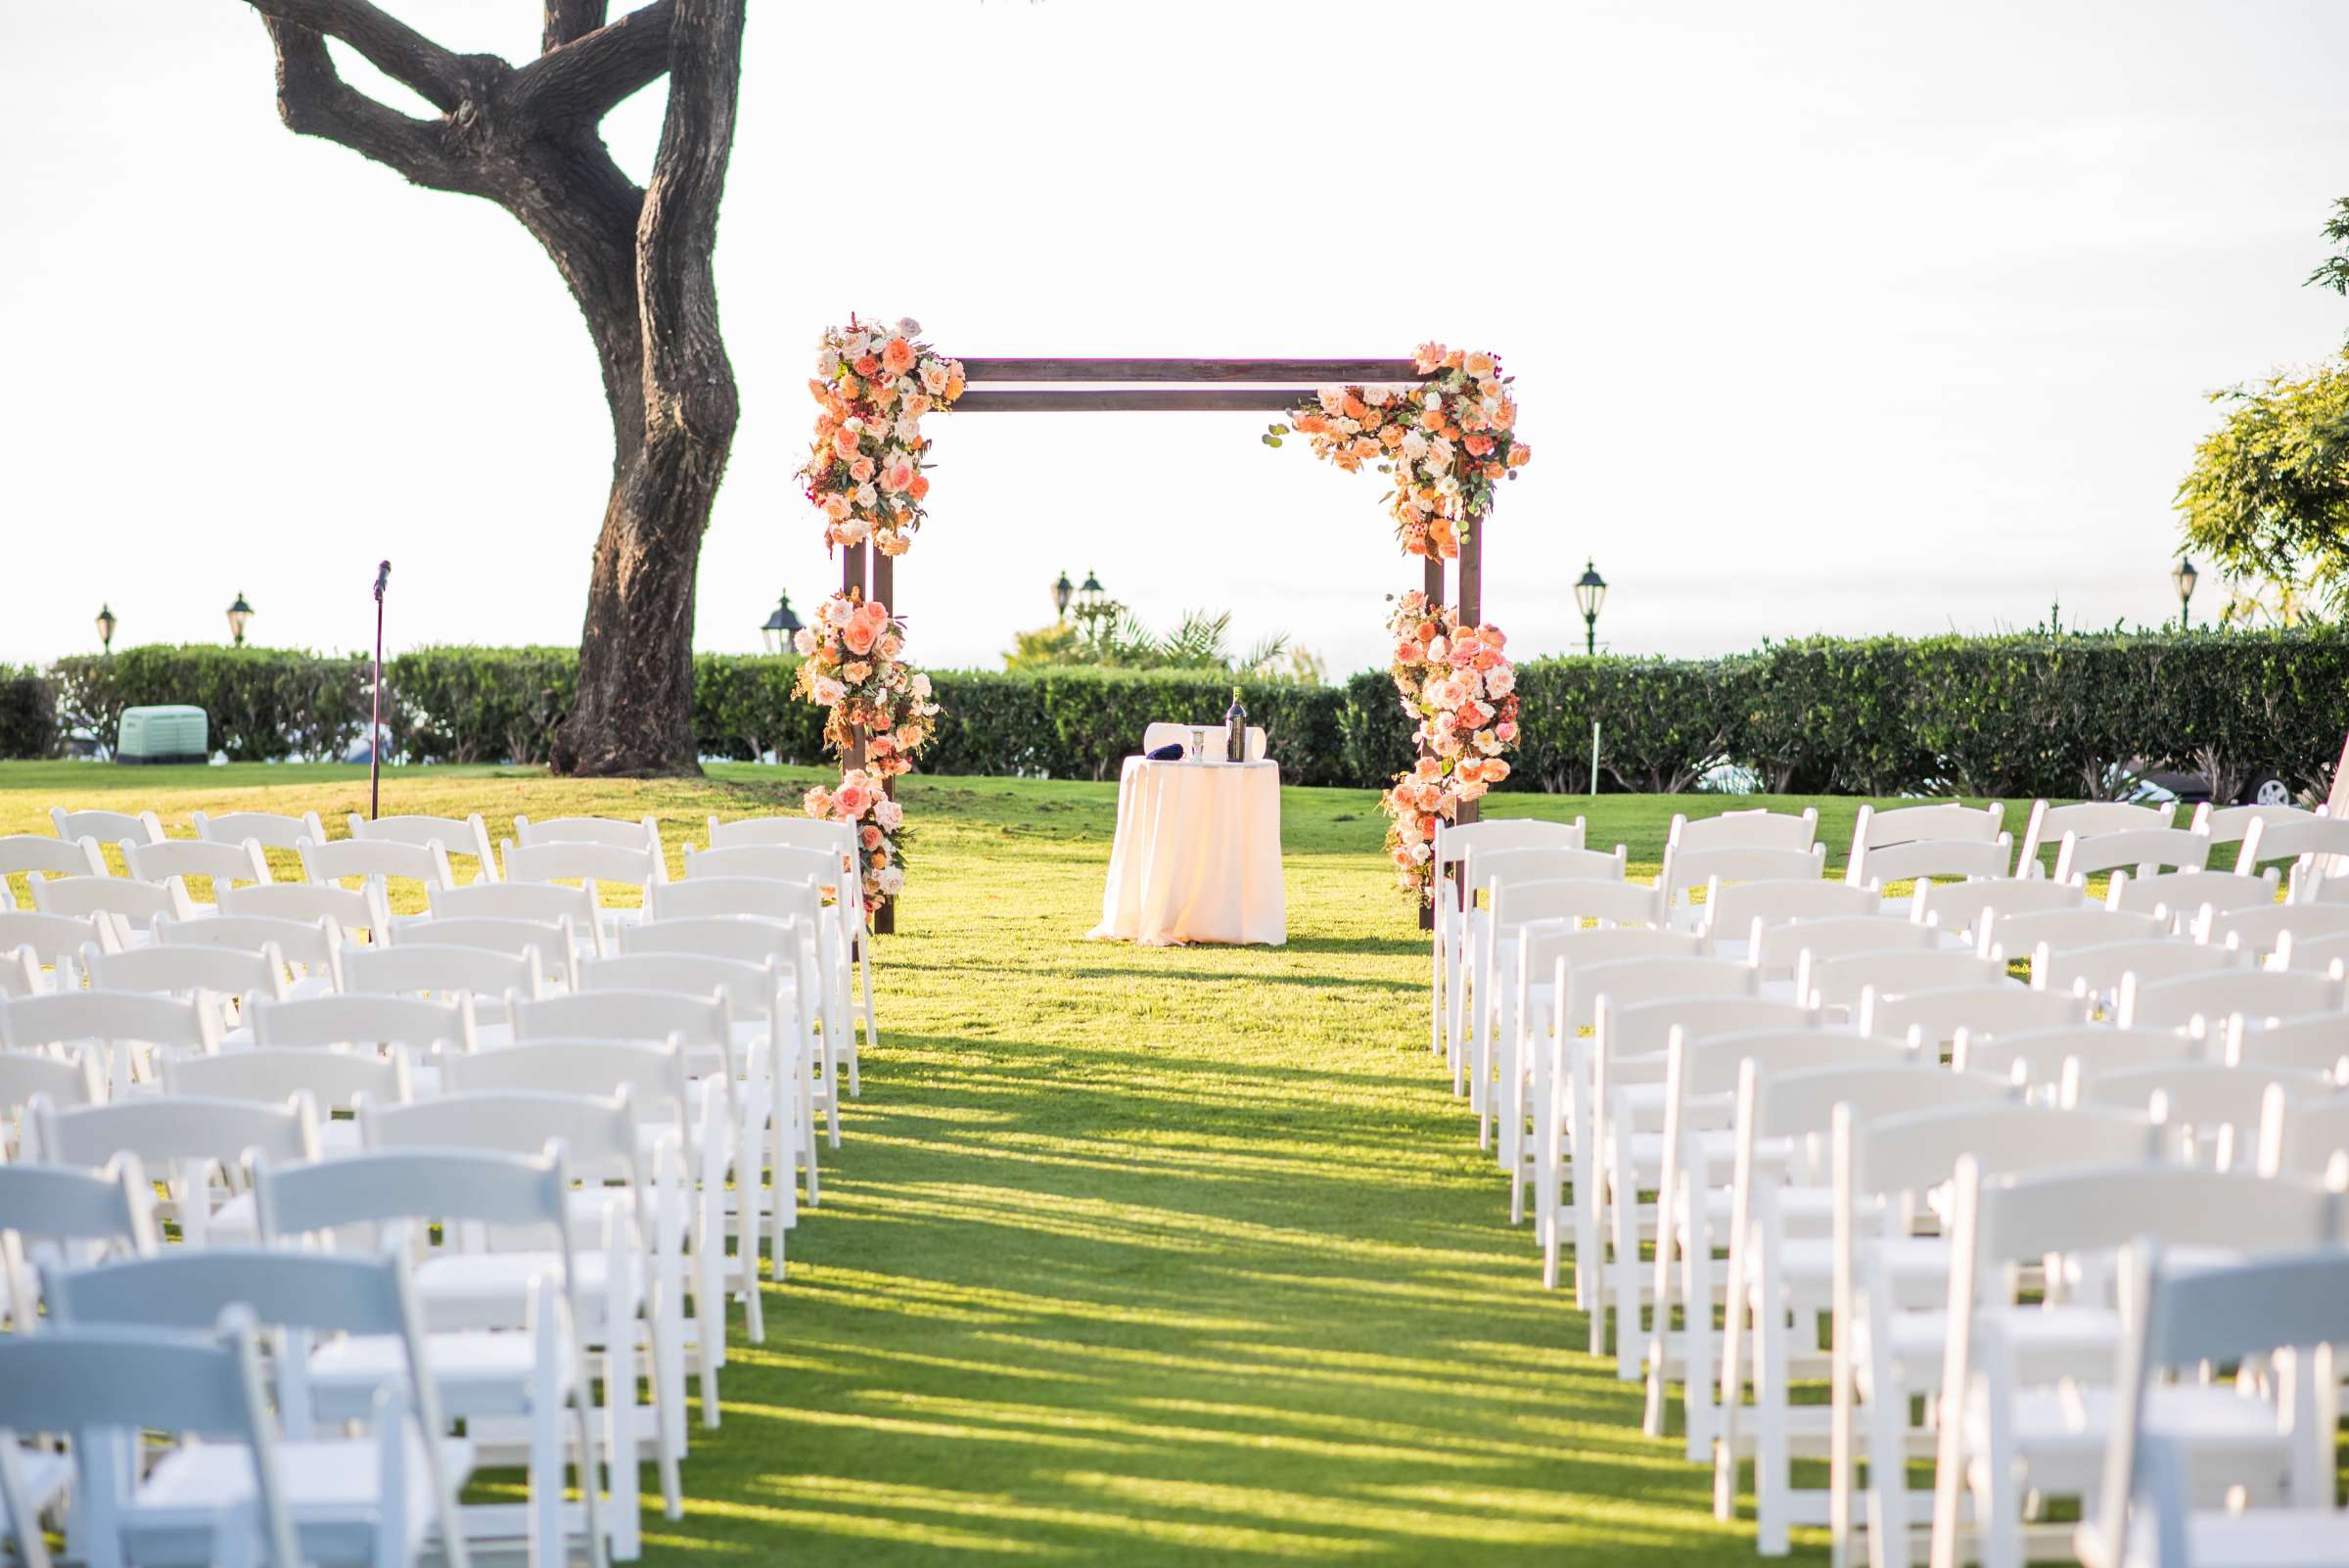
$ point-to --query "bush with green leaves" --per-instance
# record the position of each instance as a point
(27, 713)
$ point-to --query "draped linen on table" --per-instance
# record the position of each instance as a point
(1197, 855)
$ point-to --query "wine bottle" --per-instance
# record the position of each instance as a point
(1236, 730)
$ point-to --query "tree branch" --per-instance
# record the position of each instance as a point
(567, 21)
(580, 80)
(688, 382)
(313, 100)
(440, 76)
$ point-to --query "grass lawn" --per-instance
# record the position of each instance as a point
(1143, 1256)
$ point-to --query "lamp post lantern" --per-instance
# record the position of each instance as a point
(106, 628)
(777, 629)
(2185, 577)
(1589, 592)
(1090, 596)
(238, 613)
(1062, 588)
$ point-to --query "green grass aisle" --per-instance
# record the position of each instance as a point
(1141, 1256)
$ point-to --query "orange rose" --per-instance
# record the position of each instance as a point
(897, 356)
(862, 470)
(1520, 454)
(844, 444)
(954, 384)
(1478, 365)
(867, 366)
(1478, 445)
(1392, 436)
(919, 488)
(860, 636)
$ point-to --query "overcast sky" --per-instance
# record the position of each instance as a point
(1844, 317)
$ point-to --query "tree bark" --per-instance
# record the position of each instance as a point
(638, 265)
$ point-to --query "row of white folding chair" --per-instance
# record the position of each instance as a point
(2050, 824)
(828, 865)
(810, 833)
(1935, 822)
(1468, 862)
(2309, 840)
(1757, 829)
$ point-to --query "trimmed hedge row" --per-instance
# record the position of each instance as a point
(2015, 717)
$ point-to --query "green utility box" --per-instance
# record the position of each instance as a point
(163, 734)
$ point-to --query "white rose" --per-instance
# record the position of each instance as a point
(1414, 446)
(907, 327)
(827, 363)
(855, 346)
(891, 881)
(921, 686)
(1349, 426)
(855, 421)
(908, 428)
(1431, 399)
(867, 495)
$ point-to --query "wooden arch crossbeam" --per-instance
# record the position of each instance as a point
(1015, 385)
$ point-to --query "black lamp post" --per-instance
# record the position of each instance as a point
(1091, 596)
(779, 627)
(106, 628)
(238, 614)
(2183, 575)
(1062, 587)
(1589, 592)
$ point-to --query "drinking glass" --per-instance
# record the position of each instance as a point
(1198, 745)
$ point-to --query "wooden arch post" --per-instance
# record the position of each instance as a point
(1003, 385)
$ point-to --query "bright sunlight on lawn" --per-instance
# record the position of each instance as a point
(1143, 1256)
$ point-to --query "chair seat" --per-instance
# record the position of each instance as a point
(2257, 1537)
(2061, 1428)
(2047, 1342)
(476, 1371)
(330, 1490)
(491, 1289)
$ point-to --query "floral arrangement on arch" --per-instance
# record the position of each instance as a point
(1461, 688)
(1447, 441)
(864, 473)
(853, 665)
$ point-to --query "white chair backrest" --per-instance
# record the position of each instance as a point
(179, 1133)
(1699, 868)
(195, 857)
(2098, 971)
(271, 830)
(107, 827)
(514, 1196)
(2037, 1055)
(113, 1205)
(2256, 993)
(316, 946)
(37, 851)
(750, 988)
(52, 938)
(2258, 929)
(2013, 937)
(1631, 982)
(423, 1026)
(2302, 1133)
(351, 909)
(152, 1380)
(1911, 1152)
(585, 860)
(1640, 1029)
(2283, 838)
(1545, 944)
(756, 941)
(649, 1017)
(2048, 824)
(1457, 843)
(797, 832)
(374, 858)
(334, 1080)
(70, 1078)
(1610, 903)
(1555, 862)
(129, 906)
(701, 898)
(655, 1076)
(2185, 894)
(520, 900)
(21, 972)
(598, 1134)
(1760, 829)
(466, 835)
(1776, 951)
(421, 966)
(1966, 906)
(2315, 1044)
(1839, 982)
(1800, 1103)
(1219, 750)
(1911, 824)
(2227, 824)
(1713, 1068)
(1730, 913)
(2138, 850)
(65, 1016)
(642, 834)
(2217, 1102)
(185, 971)
(783, 861)
(1926, 858)
(2319, 954)
(552, 940)
(1931, 1019)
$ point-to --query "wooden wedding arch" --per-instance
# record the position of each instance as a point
(999, 386)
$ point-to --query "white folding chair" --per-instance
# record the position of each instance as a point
(1714, 868)
(642, 834)
(430, 1030)
(72, 1077)
(2301, 1132)
(2214, 1110)
(2039, 1058)
(218, 976)
(456, 835)
(1942, 821)
(593, 866)
(91, 1380)
(2258, 928)
(1521, 888)
(2097, 972)
(1930, 1020)
(543, 902)
(126, 1030)
(2008, 938)
(2227, 824)
(1921, 862)
(56, 940)
(1757, 829)
(375, 1499)
(625, 1218)
(1776, 950)
(314, 950)
(198, 1148)
(334, 1080)
(1847, 979)
(63, 1211)
(107, 827)
(550, 944)
(2048, 824)
(2138, 851)
(2318, 1044)
(2196, 1316)
(217, 865)
(352, 910)
(2181, 895)
(2025, 1398)
(421, 967)
(1971, 908)
(374, 861)
(825, 869)
(131, 908)
(2256, 993)
(2301, 840)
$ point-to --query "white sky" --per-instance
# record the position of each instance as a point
(1840, 317)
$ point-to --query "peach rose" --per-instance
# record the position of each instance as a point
(853, 799)
(1479, 365)
(1478, 445)
(865, 366)
(892, 645)
(859, 636)
(862, 470)
(857, 671)
(899, 475)
(835, 505)
(844, 444)
(818, 801)
(1520, 454)
(870, 837)
(897, 356)
(1408, 652)
(1506, 731)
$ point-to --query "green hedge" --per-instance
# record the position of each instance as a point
(2012, 716)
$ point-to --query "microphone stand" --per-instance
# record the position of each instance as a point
(375, 722)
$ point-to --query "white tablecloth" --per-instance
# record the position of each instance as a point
(1197, 857)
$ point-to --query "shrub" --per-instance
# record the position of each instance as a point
(27, 713)
(462, 703)
(266, 705)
